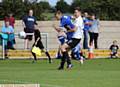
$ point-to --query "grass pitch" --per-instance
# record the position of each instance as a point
(93, 73)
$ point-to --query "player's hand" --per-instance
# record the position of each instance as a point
(54, 26)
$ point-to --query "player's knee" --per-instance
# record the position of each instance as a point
(63, 49)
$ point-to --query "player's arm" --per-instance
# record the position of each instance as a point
(56, 28)
(73, 29)
(23, 22)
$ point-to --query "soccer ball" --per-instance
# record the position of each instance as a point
(22, 35)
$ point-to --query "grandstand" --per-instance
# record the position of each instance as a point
(109, 31)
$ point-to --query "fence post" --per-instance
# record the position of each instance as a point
(3, 48)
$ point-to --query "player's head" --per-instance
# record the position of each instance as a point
(114, 42)
(30, 12)
(85, 14)
(93, 16)
(7, 23)
(11, 14)
(58, 14)
(77, 12)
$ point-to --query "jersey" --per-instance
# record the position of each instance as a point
(29, 21)
(66, 22)
(86, 26)
(114, 48)
(80, 25)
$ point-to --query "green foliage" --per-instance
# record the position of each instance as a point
(20, 8)
(105, 9)
(11, 6)
(63, 6)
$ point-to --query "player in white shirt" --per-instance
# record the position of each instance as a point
(76, 38)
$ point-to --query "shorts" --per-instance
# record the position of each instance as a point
(29, 37)
(73, 42)
(113, 53)
(61, 39)
(39, 44)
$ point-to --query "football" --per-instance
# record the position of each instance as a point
(22, 35)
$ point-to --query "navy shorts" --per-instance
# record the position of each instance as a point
(61, 39)
(29, 37)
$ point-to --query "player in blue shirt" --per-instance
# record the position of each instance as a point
(65, 21)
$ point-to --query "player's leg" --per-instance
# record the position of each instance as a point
(111, 55)
(34, 55)
(72, 44)
(59, 55)
(96, 40)
(62, 41)
(64, 56)
(85, 42)
(26, 44)
(91, 37)
(48, 55)
(116, 55)
(40, 45)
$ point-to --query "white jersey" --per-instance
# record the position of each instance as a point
(80, 25)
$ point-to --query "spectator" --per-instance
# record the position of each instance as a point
(6, 18)
(8, 30)
(114, 48)
(28, 23)
(12, 22)
(87, 25)
(94, 31)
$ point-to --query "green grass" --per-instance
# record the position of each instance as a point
(93, 73)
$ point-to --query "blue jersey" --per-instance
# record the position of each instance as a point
(86, 26)
(66, 22)
(29, 21)
(69, 35)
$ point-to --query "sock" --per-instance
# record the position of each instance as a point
(34, 56)
(66, 57)
(48, 55)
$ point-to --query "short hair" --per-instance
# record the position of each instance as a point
(115, 41)
(58, 12)
(77, 8)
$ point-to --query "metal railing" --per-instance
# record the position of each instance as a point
(44, 40)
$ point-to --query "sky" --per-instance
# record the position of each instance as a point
(53, 2)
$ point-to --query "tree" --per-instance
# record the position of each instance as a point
(63, 6)
(105, 9)
(11, 6)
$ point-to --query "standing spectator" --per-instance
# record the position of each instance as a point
(94, 31)
(28, 23)
(87, 25)
(114, 48)
(11, 20)
(8, 30)
(6, 18)
(12, 23)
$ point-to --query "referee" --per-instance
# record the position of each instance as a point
(40, 45)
